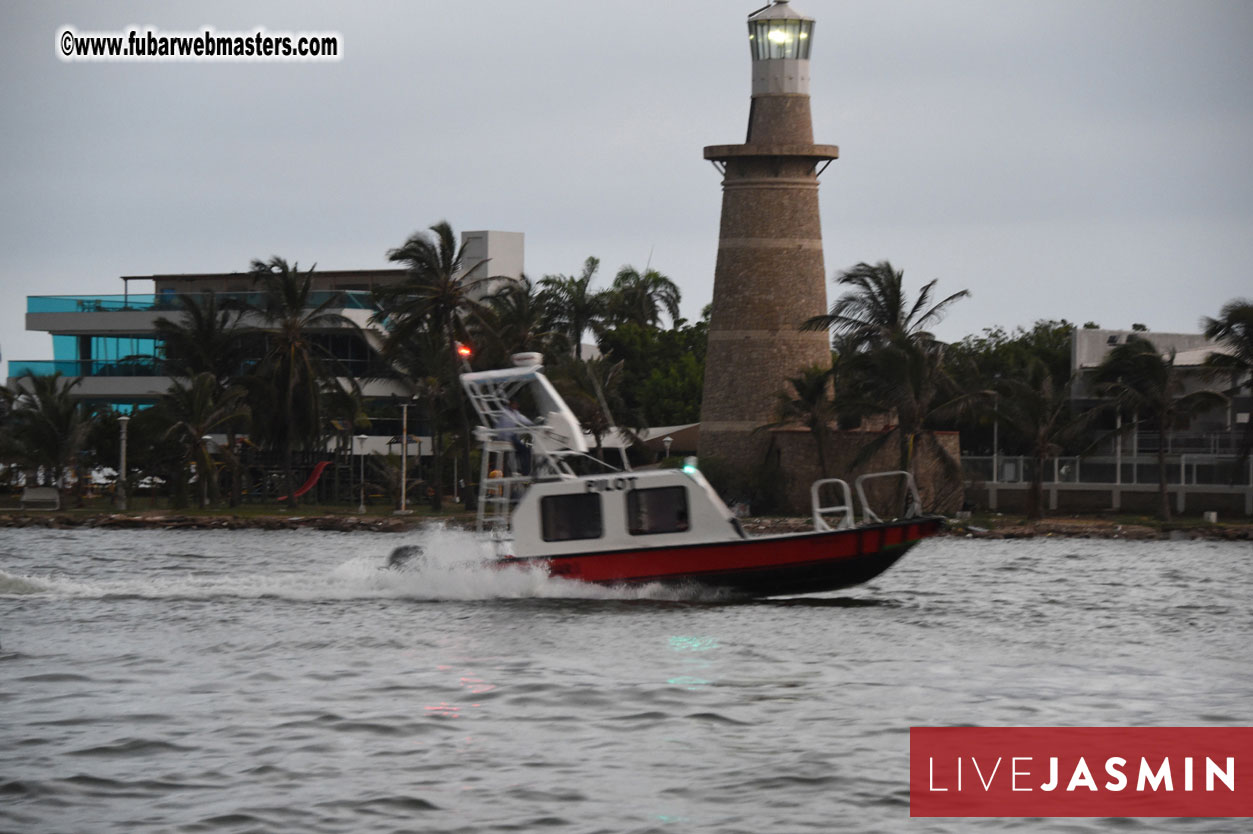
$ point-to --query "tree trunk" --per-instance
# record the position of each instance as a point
(1035, 496)
(178, 487)
(822, 456)
(436, 482)
(79, 495)
(907, 465)
(1163, 493)
(339, 451)
(467, 495)
(289, 479)
(237, 491)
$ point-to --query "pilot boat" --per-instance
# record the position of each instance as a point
(571, 517)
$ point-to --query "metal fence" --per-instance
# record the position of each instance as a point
(349, 299)
(1185, 469)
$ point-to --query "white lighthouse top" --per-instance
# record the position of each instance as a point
(779, 38)
(779, 9)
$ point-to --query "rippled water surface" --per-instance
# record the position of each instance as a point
(205, 681)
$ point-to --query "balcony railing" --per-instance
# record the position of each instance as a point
(145, 366)
(1127, 470)
(352, 300)
(87, 367)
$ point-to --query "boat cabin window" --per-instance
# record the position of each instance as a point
(659, 510)
(568, 517)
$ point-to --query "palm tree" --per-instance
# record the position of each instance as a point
(418, 356)
(195, 409)
(1233, 329)
(572, 306)
(888, 362)
(346, 414)
(206, 338)
(642, 297)
(878, 309)
(46, 427)
(1032, 404)
(906, 378)
(809, 405)
(435, 297)
(515, 320)
(592, 390)
(1140, 379)
(432, 393)
(295, 364)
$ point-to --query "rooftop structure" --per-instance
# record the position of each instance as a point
(1090, 346)
(110, 342)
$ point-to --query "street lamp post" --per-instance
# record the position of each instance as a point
(361, 454)
(404, 457)
(119, 495)
(666, 441)
(996, 430)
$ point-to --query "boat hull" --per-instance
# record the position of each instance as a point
(801, 563)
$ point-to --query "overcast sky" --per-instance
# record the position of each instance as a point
(1060, 159)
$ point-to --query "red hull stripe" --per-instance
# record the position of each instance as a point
(741, 555)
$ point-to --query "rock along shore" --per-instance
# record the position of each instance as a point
(1008, 528)
(1077, 528)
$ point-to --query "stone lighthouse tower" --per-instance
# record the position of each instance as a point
(769, 276)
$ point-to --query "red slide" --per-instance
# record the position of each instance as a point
(313, 479)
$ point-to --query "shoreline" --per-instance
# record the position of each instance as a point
(993, 527)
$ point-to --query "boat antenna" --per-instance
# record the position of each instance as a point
(604, 407)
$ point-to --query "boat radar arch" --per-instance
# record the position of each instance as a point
(525, 360)
(490, 391)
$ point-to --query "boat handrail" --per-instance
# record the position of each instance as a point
(568, 455)
(912, 510)
(846, 508)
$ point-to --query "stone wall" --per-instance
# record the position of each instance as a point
(1232, 502)
(941, 488)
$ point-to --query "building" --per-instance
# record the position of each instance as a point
(109, 341)
(1120, 466)
(1090, 346)
(769, 277)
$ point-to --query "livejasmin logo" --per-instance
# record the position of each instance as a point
(1081, 771)
(1081, 776)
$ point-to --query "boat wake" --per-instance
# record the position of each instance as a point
(443, 565)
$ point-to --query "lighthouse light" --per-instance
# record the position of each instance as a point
(780, 38)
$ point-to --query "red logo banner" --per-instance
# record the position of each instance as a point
(1081, 771)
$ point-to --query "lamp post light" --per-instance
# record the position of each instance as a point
(119, 495)
(666, 441)
(361, 454)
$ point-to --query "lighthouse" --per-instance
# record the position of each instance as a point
(769, 276)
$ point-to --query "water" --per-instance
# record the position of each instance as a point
(212, 681)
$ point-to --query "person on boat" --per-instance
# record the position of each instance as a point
(510, 417)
